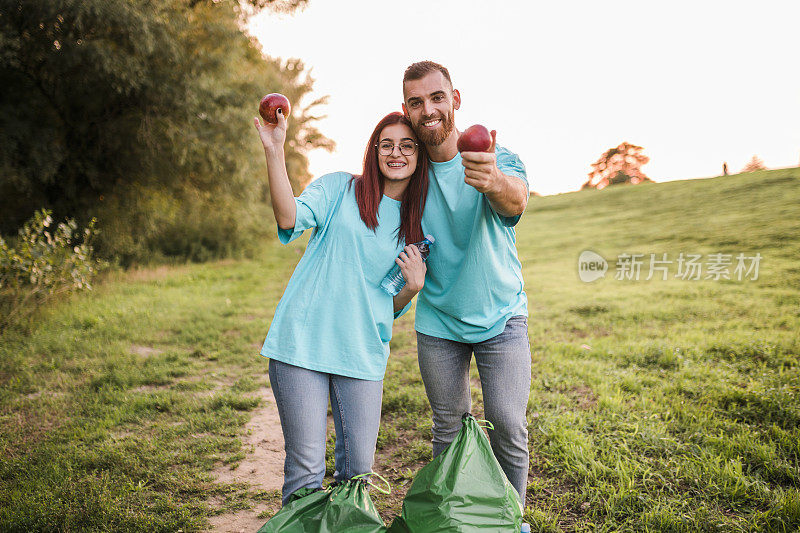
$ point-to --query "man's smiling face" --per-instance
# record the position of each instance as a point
(429, 103)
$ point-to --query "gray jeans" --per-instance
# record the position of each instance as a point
(302, 397)
(504, 365)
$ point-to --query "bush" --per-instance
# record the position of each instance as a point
(43, 264)
(148, 225)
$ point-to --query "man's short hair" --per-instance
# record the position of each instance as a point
(420, 69)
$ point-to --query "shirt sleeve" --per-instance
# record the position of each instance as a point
(312, 207)
(510, 164)
(403, 311)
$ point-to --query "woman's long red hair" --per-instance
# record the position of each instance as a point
(369, 186)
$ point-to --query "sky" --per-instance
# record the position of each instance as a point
(694, 83)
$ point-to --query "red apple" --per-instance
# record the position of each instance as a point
(474, 139)
(268, 108)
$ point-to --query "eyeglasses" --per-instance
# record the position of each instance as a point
(406, 147)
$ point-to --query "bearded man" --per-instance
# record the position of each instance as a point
(473, 301)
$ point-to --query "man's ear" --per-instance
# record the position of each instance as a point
(405, 111)
(456, 99)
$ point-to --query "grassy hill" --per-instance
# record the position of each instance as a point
(667, 405)
(660, 405)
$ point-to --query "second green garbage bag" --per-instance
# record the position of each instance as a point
(464, 489)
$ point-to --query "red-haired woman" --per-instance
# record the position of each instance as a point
(329, 339)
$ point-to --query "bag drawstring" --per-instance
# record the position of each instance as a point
(485, 424)
(482, 423)
(368, 482)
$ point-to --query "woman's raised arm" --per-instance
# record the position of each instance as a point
(273, 137)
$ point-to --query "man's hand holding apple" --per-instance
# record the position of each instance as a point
(480, 167)
(508, 196)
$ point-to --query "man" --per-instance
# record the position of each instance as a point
(473, 300)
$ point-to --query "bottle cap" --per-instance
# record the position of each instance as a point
(430, 238)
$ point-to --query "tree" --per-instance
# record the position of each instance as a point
(139, 112)
(754, 164)
(618, 165)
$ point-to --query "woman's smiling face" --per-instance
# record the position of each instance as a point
(397, 166)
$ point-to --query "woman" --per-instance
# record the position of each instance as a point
(330, 334)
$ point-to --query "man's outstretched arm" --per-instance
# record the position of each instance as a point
(508, 195)
(511, 198)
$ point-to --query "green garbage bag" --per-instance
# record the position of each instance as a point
(301, 513)
(344, 506)
(464, 489)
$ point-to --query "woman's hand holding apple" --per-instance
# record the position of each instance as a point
(273, 108)
(272, 135)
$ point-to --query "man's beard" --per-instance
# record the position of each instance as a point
(438, 136)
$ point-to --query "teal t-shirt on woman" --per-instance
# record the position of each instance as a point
(334, 317)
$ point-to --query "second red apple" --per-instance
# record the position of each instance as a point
(474, 139)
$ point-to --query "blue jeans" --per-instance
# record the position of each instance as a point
(302, 397)
(504, 365)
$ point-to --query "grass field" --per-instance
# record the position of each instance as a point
(660, 405)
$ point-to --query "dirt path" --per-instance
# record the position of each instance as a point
(262, 468)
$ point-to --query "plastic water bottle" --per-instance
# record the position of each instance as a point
(526, 528)
(394, 281)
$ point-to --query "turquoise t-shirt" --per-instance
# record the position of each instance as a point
(474, 279)
(334, 317)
